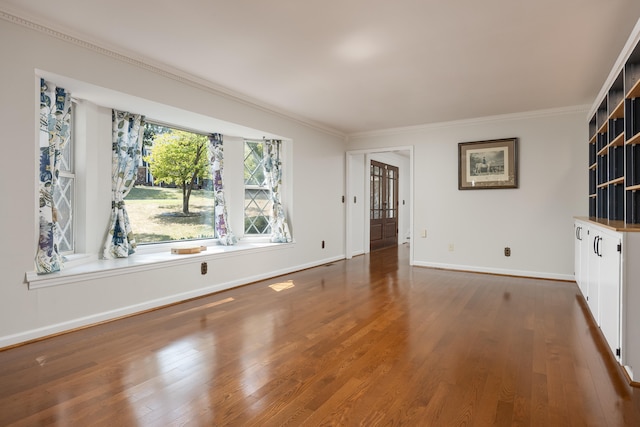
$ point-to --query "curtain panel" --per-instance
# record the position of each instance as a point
(55, 131)
(273, 170)
(126, 138)
(216, 160)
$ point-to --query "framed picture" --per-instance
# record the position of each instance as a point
(488, 164)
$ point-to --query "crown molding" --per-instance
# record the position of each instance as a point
(618, 66)
(168, 72)
(470, 122)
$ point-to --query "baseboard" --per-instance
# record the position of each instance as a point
(44, 332)
(498, 271)
(627, 376)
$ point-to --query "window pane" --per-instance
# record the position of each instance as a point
(66, 157)
(160, 206)
(63, 199)
(257, 211)
(390, 194)
(253, 163)
(257, 201)
(156, 214)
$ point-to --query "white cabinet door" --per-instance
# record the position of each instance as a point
(609, 288)
(577, 247)
(581, 253)
(585, 235)
(608, 266)
(593, 278)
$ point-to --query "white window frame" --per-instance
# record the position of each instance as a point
(92, 168)
(254, 187)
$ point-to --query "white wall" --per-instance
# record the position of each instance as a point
(534, 220)
(317, 160)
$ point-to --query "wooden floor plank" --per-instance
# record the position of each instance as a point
(367, 341)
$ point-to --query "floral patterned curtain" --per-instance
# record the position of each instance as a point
(126, 138)
(216, 160)
(55, 130)
(273, 169)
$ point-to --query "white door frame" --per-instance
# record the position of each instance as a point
(349, 194)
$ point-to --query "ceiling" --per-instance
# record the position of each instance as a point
(364, 65)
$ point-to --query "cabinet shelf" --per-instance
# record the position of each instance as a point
(613, 182)
(618, 142)
(616, 181)
(604, 128)
(634, 92)
(618, 112)
(635, 139)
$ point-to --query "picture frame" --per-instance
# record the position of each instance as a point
(488, 164)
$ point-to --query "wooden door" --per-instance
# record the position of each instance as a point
(383, 218)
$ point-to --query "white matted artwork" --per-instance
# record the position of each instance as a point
(487, 164)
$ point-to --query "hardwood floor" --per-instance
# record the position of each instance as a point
(369, 341)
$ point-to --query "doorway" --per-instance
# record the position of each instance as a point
(357, 196)
(383, 206)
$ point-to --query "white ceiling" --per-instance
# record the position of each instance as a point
(364, 65)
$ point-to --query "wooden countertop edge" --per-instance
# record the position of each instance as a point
(611, 225)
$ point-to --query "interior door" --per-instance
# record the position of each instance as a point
(383, 217)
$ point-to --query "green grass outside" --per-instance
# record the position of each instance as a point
(156, 214)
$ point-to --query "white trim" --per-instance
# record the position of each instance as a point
(366, 205)
(551, 112)
(348, 208)
(44, 331)
(497, 271)
(150, 260)
(346, 205)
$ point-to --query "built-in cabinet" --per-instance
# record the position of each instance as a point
(614, 142)
(607, 243)
(608, 279)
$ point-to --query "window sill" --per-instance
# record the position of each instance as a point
(147, 258)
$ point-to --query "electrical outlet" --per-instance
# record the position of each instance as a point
(424, 233)
(203, 268)
(507, 251)
(450, 247)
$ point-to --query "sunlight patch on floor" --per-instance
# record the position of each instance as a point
(282, 286)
